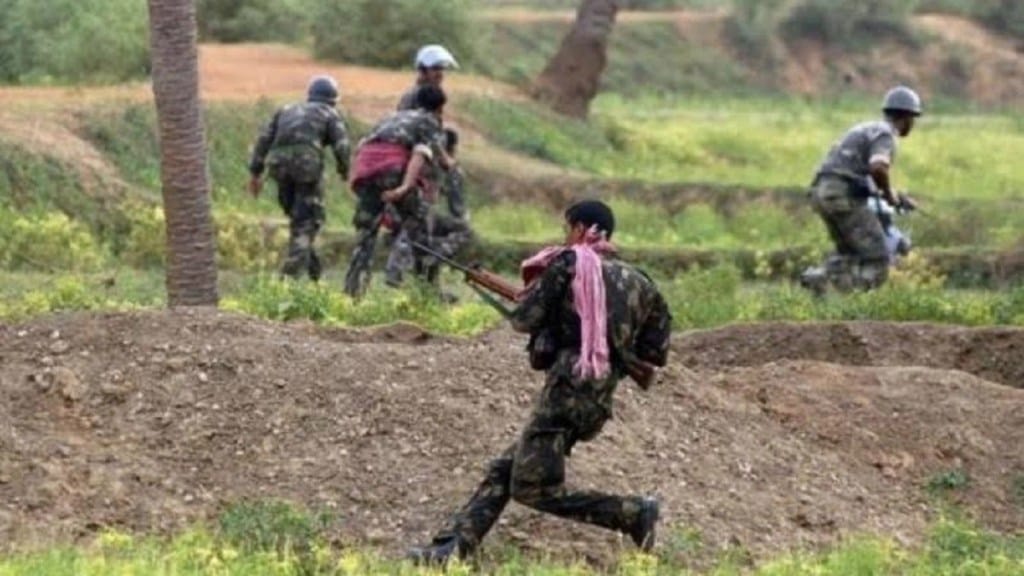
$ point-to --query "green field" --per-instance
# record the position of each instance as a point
(294, 547)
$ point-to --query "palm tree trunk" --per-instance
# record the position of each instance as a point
(191, 247)
(572, 77)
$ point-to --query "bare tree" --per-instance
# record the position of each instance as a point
(191, 247)
(572, 77)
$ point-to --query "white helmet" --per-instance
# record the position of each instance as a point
(434, 55)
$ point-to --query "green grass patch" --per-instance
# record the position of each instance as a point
(638, 59)
(760, 143)
(952, 547)
(698, 299)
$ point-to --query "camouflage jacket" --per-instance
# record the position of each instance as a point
(408, 99)
(863, 145)
(295, 137)
(639, 322)
(412, 129)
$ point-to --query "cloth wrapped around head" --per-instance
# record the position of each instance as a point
(588, 281)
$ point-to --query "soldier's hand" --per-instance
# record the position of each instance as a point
(394, 195)
(255, 186)
(905, 203)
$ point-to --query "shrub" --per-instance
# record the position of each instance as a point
(253, 20)
(849, 22)
(73, 40)
(1006, 16)
(388, 32)
(48, 241)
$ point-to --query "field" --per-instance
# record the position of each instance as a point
(296, 431)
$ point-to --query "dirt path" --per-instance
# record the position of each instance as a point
(150, 421)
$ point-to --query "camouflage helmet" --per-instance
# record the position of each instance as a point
(323, 89)
(435, 56)
(902, 99)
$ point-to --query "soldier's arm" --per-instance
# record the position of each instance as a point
(546, 295)
(420, 156)
(341, 146)
(880, 161)
(262, 147)
(652, 341)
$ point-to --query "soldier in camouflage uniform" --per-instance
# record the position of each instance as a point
(575, 403)
(447, 233)
(291, 145)
(856, 168)
(431, 62)
(393, 166)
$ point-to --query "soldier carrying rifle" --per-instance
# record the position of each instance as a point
(592, 320)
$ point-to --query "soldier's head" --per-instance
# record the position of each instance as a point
(430, 98)
(902, 106)
(431, 61)
(451, 141)
(322, 89)
(585, 215)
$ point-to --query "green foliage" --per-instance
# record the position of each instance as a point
(850, 23)
(287, 300)
(1005, 16)
(263, 526)
(253, 20)
(47, 242)
(952, 547)
(46, 294)
(73, 40)
(389, 32)
(753, 25)
(643, 58)
(948, 481)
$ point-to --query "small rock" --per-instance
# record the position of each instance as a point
(203, 377)
(68, 384)
(59, 347)
(55, 334)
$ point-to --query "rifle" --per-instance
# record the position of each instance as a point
(486, 283)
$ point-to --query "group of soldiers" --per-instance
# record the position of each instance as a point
(589, 314)
(397, 173)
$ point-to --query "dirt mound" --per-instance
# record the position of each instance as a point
(994, 354)
(149, 421)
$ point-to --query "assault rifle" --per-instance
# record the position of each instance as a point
(487, 284)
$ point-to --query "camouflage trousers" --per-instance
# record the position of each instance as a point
(861, 259)
(411, 211)
(532, 470)
(445, 235)
(303, 203)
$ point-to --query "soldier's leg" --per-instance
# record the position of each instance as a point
(538, 481)
(307, 218)
(466, 529)
(831, 199)
(866, 238)
(367, 223)
(415, 215)
(400, 259)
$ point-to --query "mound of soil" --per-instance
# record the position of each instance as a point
(764, 437)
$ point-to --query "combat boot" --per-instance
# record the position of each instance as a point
(815, 280)
(644, 531)
(437, 553)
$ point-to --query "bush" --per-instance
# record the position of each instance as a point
(388, 32)
(753, 25)
(47, 242)
(253, 20)
(1006, 16)
(73, 40)
(849, 22)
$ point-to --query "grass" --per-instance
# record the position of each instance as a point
(698, 299)
(275, 539)
(758, 143)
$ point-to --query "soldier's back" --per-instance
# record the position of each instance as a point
(851, 155)
(304, 123)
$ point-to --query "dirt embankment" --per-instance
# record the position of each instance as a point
(763, 437)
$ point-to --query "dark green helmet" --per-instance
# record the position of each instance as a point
(323, 89)
(902, 100)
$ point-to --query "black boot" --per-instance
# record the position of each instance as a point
(643, 532)
(437, 553)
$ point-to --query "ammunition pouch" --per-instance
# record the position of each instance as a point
(542, 349)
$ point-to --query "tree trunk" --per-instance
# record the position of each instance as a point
(572, 77)
(191, 247)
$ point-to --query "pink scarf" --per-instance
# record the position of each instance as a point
(588, 298)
